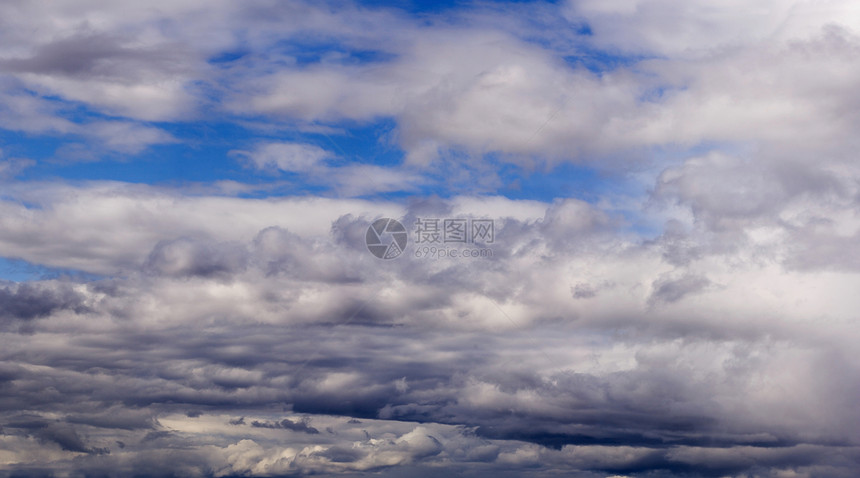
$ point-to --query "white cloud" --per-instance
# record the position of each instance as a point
(126, 137)
(12, 166)
(310, 162)
(290, 157)
(696, 28)
(471, 88)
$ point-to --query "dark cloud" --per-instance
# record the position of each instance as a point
(58, 433)
(342, 454)
(115, 417)
(670, 290)
(658, 407)
(281, 252)
(28, 301)
(164, 353)
(186, 257)
(302, 425)
(92, 55)
(156, 435)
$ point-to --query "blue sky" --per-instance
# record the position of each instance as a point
(198, 150)
(186, 190)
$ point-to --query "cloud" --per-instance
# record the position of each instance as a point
(30, 301)
(656, 27)
(299, 426)
(289, 157)
(56, 433)
(147, 215)
(672, 290)
(470, 87)
(127, 137)
(453, 89)
(29, 113)
(11, 167)
(187, 257)
(302, 315)
(24, 111)
(99, 63)
(82, 54)
(691, 312)
(310, 162)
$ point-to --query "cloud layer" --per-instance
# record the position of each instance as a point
(253, 351)
(692, 313)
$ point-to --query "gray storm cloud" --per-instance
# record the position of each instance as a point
(269, 356)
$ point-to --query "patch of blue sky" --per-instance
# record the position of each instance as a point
(566, 180)
(304, 51)
(435, 6)
(365, 143)
(24, 145)
(157, 164)
(18, 270)
(202, 155)
(417, 6)
(305, 55)
(601, 61)
(226, 57)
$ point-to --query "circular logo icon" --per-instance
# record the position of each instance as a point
(386, 238)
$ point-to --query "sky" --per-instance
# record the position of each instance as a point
(600, 239)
